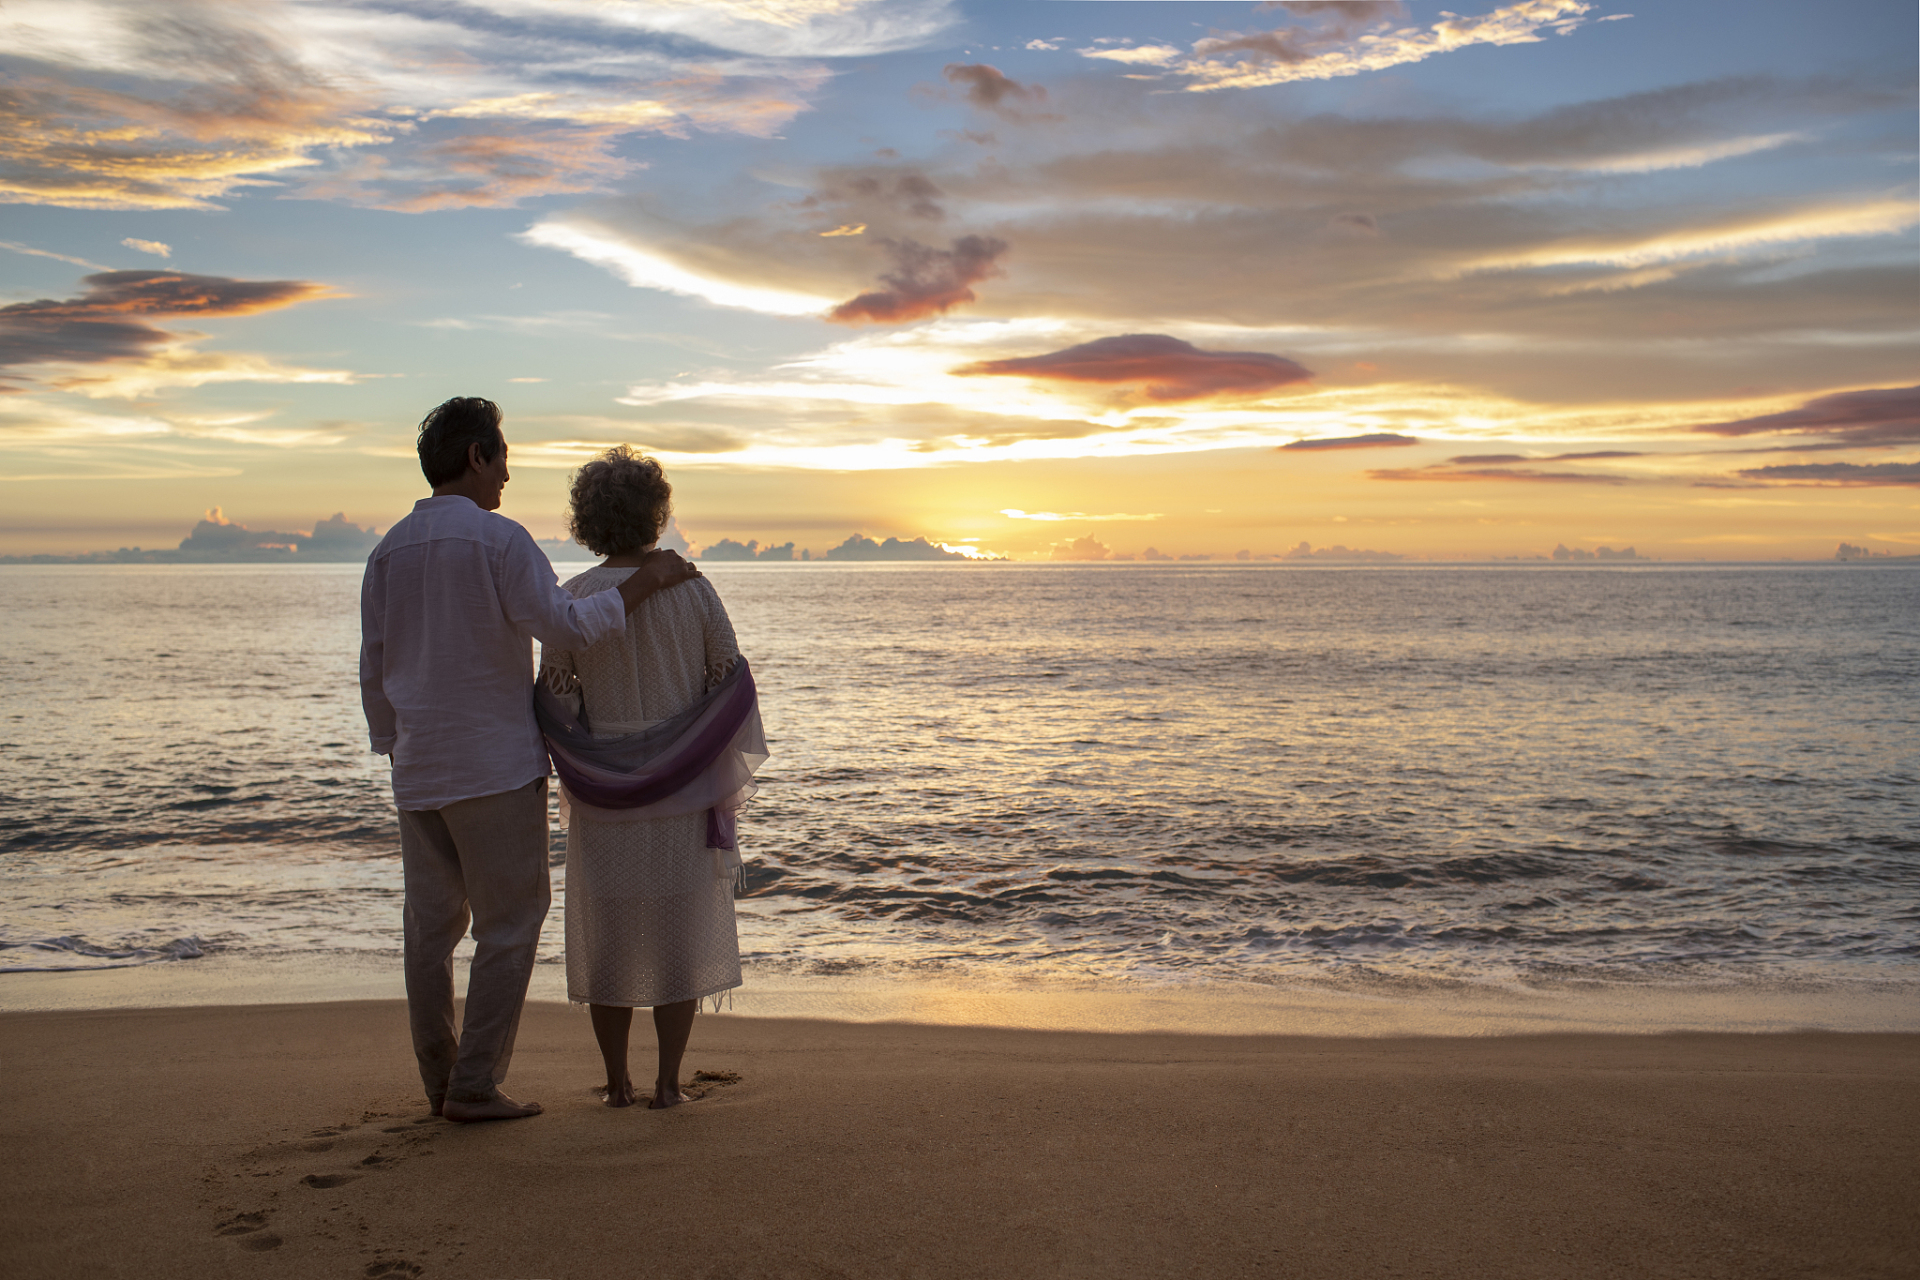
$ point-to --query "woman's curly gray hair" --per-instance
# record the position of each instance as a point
(621, 501)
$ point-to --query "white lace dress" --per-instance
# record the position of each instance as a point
(648, 922)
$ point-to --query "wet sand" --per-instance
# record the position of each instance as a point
(287, 1141)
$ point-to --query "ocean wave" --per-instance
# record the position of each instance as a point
(67, 954)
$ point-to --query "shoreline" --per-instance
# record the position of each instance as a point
(1365, 1005)
(292, 1141)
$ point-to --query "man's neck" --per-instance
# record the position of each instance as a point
(461, 488)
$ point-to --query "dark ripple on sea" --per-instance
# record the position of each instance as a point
(1194, 772)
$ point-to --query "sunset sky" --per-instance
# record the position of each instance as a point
(1044, 279)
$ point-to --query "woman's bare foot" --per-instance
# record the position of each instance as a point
(621, 1096)
(501, 1107)
(672, 1024)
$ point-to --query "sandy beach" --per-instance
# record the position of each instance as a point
(289, 1140)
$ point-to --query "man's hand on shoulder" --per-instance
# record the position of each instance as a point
(660, 570)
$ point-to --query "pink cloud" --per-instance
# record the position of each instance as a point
(1373, 440)
(1167, 368)
(924, 281)
(1889, 415)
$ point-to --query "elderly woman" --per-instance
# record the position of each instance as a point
(649, 899)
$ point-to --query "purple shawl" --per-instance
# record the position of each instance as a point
(703, 758)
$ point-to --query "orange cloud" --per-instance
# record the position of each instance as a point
(89, 148)
(492, 170)
(1167, 368)
(925, 281)
(110, 321)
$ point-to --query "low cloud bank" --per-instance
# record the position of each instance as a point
(728, 549)
(1565, 553)
(1349, 555)
(857, 547)
(218, 540)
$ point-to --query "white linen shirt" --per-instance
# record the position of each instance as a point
(451, 601)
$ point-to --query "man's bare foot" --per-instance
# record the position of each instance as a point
(621, 1096)
(664, 1098)
(500, 1108)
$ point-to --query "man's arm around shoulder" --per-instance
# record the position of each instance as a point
(538, 605)
(660, 570)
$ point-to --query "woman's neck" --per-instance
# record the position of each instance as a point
(627, 559)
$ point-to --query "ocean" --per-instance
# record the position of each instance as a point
(1513, 777)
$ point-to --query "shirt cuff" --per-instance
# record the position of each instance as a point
(614, 607)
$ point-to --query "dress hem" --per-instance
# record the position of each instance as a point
(714, 995)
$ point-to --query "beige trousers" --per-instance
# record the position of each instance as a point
(483, 860)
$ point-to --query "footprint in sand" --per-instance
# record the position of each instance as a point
(707, 1082)
(251, 1228)
(351, 1152)
(702, 1085)
(378, 1270)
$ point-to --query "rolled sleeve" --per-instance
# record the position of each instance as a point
(535, 603)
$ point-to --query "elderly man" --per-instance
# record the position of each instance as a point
(452, 597)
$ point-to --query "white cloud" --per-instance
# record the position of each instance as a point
(645, 268)
(1014, 513)
(153, 247)
(1684, 157)
(764, 28)
(1269, 58)
(12, 247)
(1146, 55)
(180, 366)
(1728, 236)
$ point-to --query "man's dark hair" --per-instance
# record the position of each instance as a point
(450, 428)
